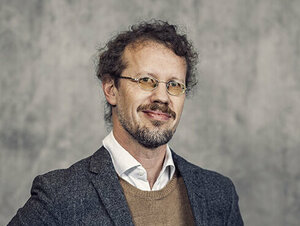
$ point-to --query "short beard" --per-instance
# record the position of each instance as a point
(146, 137)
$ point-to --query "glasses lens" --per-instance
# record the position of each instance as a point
(147, 83)
(175, 88)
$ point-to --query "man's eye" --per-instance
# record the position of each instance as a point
(173, 83)
(145, 79)
(148, 80)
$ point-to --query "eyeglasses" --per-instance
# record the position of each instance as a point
(148, 83)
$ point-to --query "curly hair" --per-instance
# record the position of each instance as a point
(110, 57)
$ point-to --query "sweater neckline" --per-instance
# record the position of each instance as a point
(158, 194)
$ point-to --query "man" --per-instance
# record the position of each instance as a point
(134, 178)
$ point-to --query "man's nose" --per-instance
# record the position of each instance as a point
(160, 94)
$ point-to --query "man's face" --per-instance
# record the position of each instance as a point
(150, 117)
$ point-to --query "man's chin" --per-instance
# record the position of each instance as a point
(157, 123)
(163, 124)
(153, 138)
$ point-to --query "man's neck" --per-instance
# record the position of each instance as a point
(151, 159)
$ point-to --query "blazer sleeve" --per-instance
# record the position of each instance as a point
(235, 218)
(40, 209)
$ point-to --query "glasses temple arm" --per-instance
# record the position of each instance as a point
(132, 79)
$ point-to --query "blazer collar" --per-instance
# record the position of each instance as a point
(106, 182)
(194, 183)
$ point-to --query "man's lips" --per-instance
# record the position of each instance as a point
(156, 110)
(157, 115)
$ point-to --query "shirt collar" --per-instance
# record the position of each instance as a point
(124, 162)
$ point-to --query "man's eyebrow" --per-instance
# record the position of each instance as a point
(155, 76)
(177, 79)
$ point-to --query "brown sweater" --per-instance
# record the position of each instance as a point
(168, 206)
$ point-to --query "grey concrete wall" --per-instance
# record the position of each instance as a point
(243, 121)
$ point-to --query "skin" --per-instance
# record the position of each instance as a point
(163, 64)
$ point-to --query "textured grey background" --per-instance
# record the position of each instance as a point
(243, 121)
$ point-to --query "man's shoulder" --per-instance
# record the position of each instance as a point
(78, 175)
(75, 169)
(60, 179)
(212, 180)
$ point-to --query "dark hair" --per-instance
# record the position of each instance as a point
(110, 57)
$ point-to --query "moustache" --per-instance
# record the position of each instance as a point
(155, 106)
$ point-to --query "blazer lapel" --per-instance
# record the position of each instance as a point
(106, 182)
(196, 191)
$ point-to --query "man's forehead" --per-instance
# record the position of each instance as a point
(141, 43)
(133, 48)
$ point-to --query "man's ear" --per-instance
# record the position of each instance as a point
(109, 90)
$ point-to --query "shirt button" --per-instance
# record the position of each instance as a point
(141, 173)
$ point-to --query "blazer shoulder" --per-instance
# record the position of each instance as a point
(61, 183)
(77, 177)
(211, 180)
(77, 169)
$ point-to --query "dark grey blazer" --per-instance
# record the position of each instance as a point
(89, 193)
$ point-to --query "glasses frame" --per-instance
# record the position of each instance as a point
(157, 82)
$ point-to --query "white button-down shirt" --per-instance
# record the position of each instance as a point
(129, 169)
